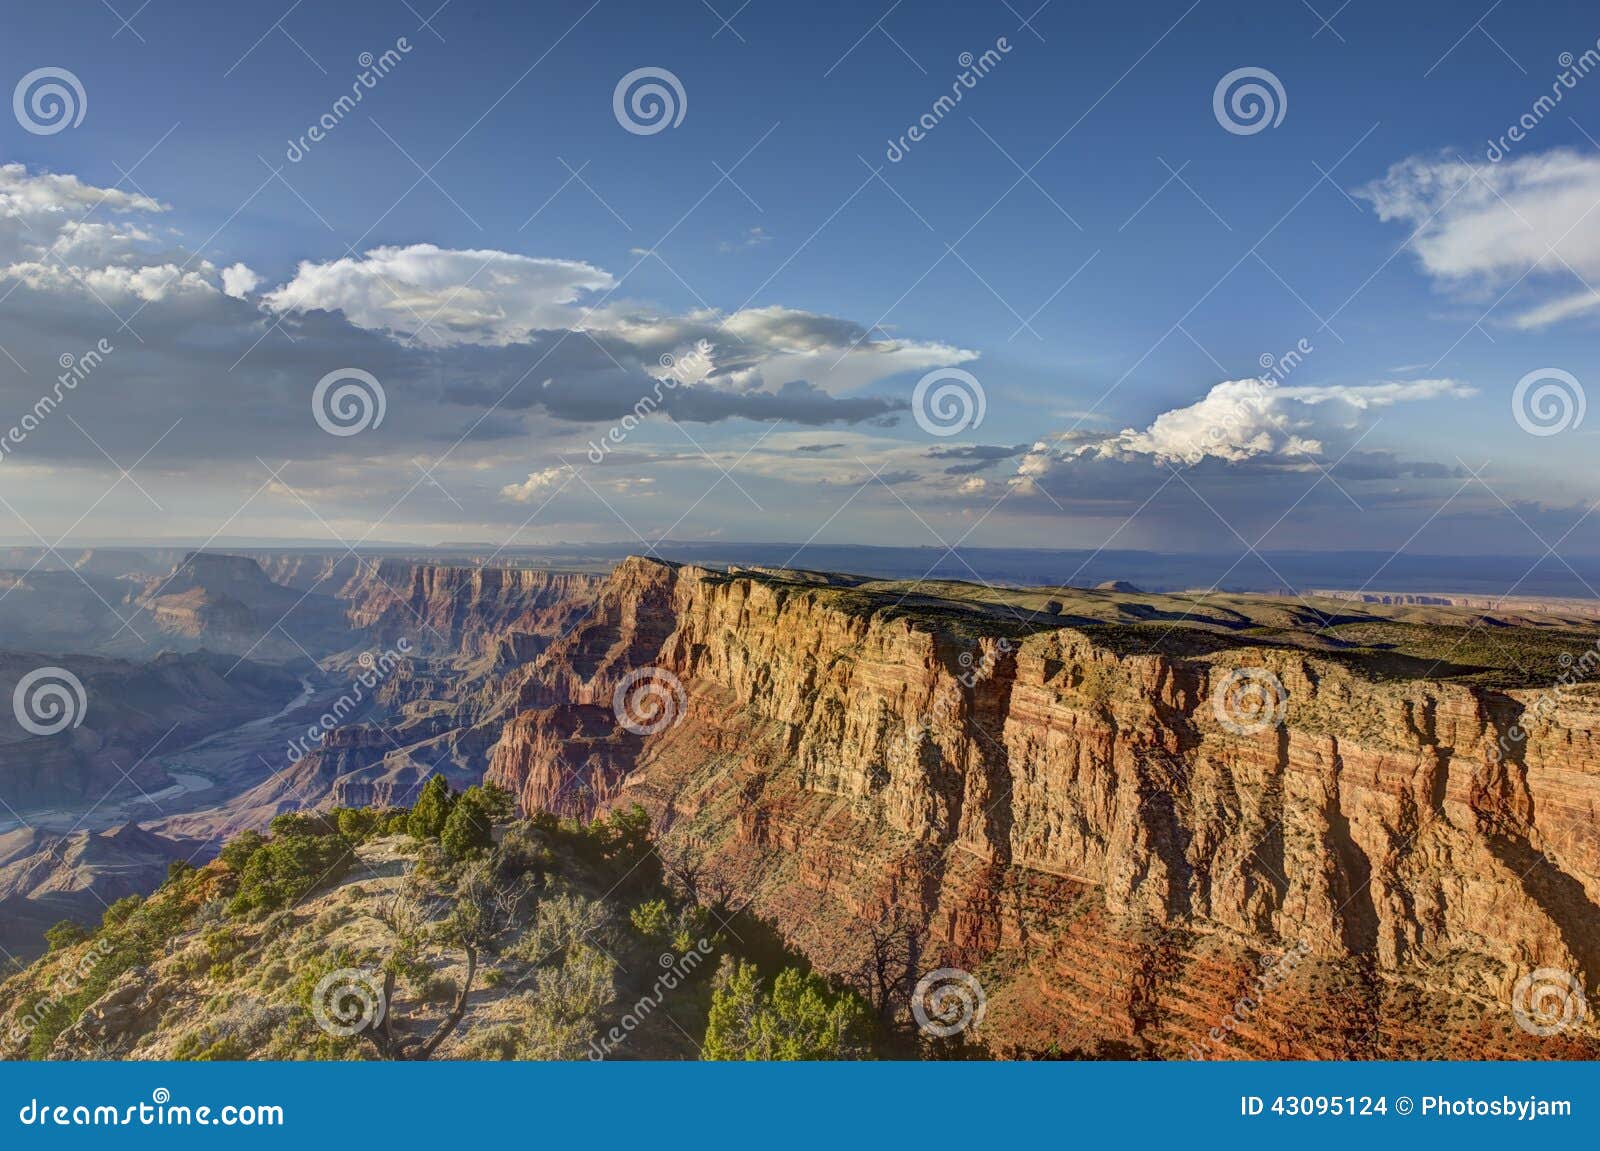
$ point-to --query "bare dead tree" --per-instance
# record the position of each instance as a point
(477, 913)
(891, 948)
(684, 871)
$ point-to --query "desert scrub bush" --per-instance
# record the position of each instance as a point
(332, 918)
(205, 1046)
(438, 988)
(651, 919)
(559, 922)
(272, 975)
(557, 1017)
(222, 943)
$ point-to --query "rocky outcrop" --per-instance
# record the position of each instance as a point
(1046, 795)
(462, 609)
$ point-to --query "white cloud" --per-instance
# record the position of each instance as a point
(1488, 225)
(238, 281)
(441, 297)
(535, 485)
(147, 282)
(46, 217)
(1243, 419)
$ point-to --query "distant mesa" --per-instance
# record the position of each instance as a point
(1119, 585)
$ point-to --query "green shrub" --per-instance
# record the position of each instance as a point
(801, 1019)
(432, 809)
(468, 829)
(652, 919)
(238, 850)
(65, 934)
(286, 868)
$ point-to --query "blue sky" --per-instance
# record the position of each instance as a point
(1147, 256)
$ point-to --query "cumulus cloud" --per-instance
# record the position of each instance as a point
(536, 485)
(516, 370)
(1245, 426)
(238, 281)
(1243, 419)
(1488, 225)
(438, 297)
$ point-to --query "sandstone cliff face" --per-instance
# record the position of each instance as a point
(1047, 797)
(461, 609)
